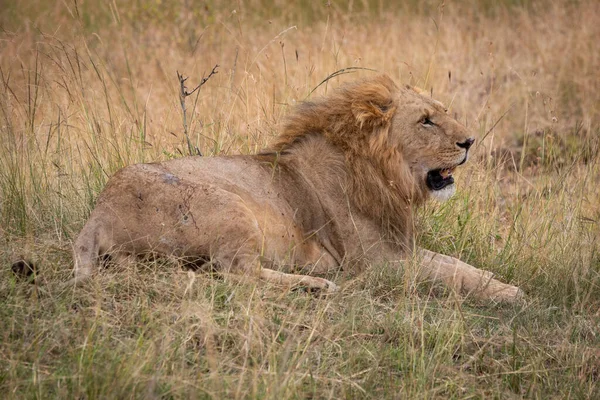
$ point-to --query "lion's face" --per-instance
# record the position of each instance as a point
(433, 143)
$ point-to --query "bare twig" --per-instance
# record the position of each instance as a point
(183, 93)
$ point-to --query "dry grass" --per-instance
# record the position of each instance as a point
(88, 88)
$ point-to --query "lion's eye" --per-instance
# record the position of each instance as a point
(427, 122)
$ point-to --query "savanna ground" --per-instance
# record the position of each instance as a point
(89, 87)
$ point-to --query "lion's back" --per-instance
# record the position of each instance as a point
(190, 203)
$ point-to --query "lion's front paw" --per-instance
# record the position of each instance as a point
(332, 287)
(325, 286)
(321, 286)
(502, 292)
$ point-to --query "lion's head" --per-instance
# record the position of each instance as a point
(400, 145)
(433, 143)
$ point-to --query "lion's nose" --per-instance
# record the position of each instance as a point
(466, 144)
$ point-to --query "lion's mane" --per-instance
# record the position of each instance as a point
(357, 120)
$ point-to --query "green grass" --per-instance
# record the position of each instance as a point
(156, 331)
(85, 92)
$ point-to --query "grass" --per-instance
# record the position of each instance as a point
(89, 88)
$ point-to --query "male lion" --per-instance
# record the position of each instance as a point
(337, 189)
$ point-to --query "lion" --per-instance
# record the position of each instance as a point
(336, 190)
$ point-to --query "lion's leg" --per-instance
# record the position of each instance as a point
(309, 257)
(255, 265)
(245, 258)
(311, 282)
(85, 254)
(313, 258)
(464, 278)
(91, 242)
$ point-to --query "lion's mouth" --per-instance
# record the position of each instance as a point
(438, 179)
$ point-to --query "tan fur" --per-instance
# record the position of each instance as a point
(335, 191)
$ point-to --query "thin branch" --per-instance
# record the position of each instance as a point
(183, 93)
(204, 80)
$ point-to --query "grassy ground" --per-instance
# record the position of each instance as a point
(87, 88)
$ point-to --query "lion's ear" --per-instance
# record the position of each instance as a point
(372, 114)
(373, 102)
(416, 89)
